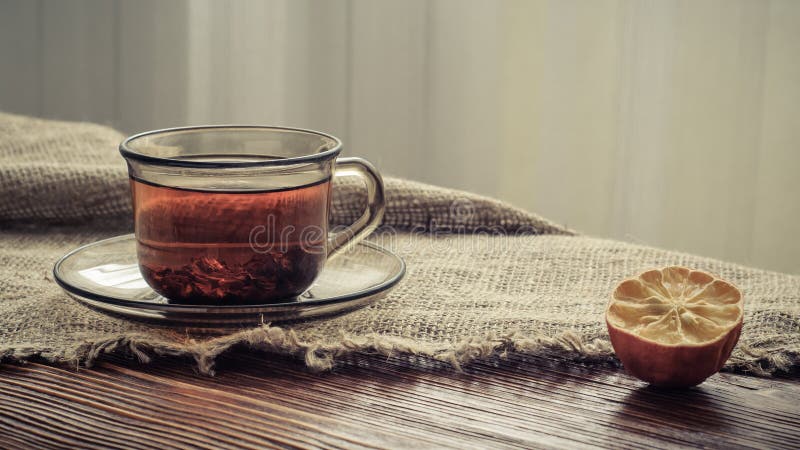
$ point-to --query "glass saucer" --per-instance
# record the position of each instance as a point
(105, 275)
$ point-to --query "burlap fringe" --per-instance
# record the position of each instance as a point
(321, 358)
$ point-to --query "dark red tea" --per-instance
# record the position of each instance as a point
(212, 247)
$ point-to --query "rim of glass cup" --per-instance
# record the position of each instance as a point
(128, 152)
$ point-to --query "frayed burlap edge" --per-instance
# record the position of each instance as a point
(322, 357)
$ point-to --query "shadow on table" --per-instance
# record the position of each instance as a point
(676, 408)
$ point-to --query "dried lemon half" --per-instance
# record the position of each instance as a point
(674, 327)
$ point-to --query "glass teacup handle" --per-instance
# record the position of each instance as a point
(369, 221)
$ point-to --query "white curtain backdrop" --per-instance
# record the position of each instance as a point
(671, 123)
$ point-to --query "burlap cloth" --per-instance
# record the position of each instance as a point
(484, 279)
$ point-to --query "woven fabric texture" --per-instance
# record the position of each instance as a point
(484, 279)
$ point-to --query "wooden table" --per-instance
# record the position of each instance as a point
(377, 403)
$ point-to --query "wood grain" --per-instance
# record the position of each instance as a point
(376, 403)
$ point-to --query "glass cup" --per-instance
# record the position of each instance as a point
(231, 215)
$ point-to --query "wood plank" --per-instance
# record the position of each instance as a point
(78, 58)
(20, 44)
(152, 58)
(387, 85)
(371, 402)
(776, 213)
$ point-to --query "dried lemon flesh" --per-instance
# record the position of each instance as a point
(676, 306)
(674, 326)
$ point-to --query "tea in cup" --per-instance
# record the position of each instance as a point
(232, 215)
